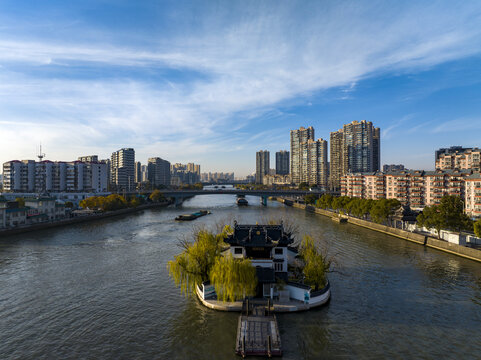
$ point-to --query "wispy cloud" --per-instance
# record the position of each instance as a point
(458, 125)
(262, 57)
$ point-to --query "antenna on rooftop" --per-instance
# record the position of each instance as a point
(40, 154)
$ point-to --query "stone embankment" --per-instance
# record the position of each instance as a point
(79, 219)
(417, 238)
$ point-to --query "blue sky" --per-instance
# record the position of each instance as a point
(213, 82)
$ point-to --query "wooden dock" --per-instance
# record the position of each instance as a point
(257, 331)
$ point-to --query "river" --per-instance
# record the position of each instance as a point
(101, 290)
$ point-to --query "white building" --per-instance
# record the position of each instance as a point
(48, 176)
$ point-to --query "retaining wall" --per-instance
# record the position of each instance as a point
(78, 219)
(421, 239)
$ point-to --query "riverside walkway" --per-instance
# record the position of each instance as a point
(257, 331)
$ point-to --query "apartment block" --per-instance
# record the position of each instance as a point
(314, 167)
(473, 194)
(184, 174)
(262, 165)
(122, 169)
(459, 158)
(49, 176)
(158, 171)
(354, 148)
(417, 188)
(298, 137)
(282, 162)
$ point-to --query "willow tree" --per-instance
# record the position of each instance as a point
(233, 279)
(192, 267)
(315, 263)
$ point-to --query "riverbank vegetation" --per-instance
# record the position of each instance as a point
(379, 211)
(118, 202)
(448, 215)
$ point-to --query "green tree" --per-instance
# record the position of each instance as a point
(134, 202)
(69, 204)
(452, 210)
(233, 279)
(310, 199)
(21, 202)
(325, 202)
(192, 266)
(303, 186)
(431, 218)
(477, 228)
(449, 215)
(383, 209)
(315, 263)
(157, 196)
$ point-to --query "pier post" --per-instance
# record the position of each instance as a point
(264, 200)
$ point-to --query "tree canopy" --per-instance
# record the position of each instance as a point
(105, 203)
(448, 215)
(192, 267)
(477, 228)
(157, 196)
(315, 263)
(310, 198)
(20, 201)
(233, 279)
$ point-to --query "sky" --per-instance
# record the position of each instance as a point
(212, 82)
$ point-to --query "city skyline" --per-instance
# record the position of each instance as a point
(213, 83)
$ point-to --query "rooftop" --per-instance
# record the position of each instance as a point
(259, 235)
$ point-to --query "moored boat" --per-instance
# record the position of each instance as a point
(193, 216)
(242, 201)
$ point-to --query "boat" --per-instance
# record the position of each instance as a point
(241, 201)
(193, 216)
(340, 219)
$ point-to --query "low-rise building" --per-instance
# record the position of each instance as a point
(280, 180)
(42, 205)
(416, 188)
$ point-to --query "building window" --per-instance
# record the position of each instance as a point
(238, 251)
(278, 251)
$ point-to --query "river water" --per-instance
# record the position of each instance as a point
(101, 291)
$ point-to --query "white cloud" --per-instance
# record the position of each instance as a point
(246, 67)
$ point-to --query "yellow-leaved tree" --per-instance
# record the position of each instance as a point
(233, 279)
(192, 267)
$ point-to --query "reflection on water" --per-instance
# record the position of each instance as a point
(101, 290)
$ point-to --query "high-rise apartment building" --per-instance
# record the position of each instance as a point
(122, 169)
(297, 138)
(314, 168)
(158, 171)
(282, 162)
(262, 165)
(459, 158)
(354, 148)
(376, 151)
(337, 159)
(138, 172)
